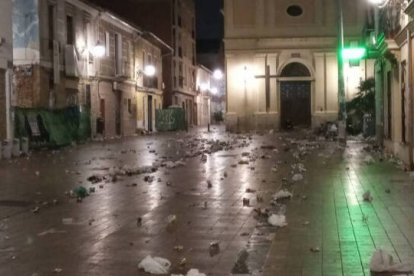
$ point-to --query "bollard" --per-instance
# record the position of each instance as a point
(25, 145)
(16, 148)
(7, 149)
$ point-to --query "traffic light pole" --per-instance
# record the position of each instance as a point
(341, 82)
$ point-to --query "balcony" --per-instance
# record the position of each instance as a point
(150, 82)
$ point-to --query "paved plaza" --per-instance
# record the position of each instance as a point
(180, 195)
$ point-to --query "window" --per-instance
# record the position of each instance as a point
(107, 44)
(294, 10)
(51, 22)
(179, 21)
(70, 35)
(129, 106)
(180, 52)
(118, 54)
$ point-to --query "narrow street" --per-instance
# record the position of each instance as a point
(201, 200)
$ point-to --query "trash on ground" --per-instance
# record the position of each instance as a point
(248, 190)
(80, 192)
(315, 249)
(277, 220)
(57, 270)
(240, 267)
(382, 261)
(36, 210)
(209, 184)
(246, 202)
(297, 177)
(367, 196)
(178, 248)
(50, 231)
(155, 265)
(214, 248)
(282, 194)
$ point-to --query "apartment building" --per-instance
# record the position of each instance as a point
(80, 57)
(174, 22)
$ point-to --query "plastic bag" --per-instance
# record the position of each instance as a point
(155, 265)
(382, 261)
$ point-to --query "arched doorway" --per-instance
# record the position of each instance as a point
(295, 96)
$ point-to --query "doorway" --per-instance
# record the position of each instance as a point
(295, 96)
(149, 110)
(295, 103)
(118, 117)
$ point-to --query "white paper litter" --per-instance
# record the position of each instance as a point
(277, 220)
(191, 272)
(155, 265)
(297, 177)
(282, 194)
(382, 261)
(369, 159)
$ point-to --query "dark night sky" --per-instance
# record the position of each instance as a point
(209, 19)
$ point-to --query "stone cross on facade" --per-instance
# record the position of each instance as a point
(267, 78)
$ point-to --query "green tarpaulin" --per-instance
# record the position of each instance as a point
(170, 119)
(54, 127)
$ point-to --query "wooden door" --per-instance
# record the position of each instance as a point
(295, 103)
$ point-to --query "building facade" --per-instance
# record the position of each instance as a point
(204, 90)
(77, 55)
(174, 22)
(281, 61)
(394, 80)
(6, 69)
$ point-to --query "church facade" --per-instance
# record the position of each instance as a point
(281, 61)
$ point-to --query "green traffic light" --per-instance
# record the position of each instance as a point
(353, 53)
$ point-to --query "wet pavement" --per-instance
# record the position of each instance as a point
(173, 195)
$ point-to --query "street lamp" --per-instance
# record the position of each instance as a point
(149, 70)
(98, 50)
(218, 74)
(214, 90)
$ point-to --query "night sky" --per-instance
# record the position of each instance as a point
(209, 19)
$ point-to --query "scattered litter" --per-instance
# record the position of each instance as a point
(240, 267)
(367, 196)
(297, 177)
(183, 262)
(139, 221)
(80, 192)
(246, 202)
(178, 248)
(368, 159)
(171, 219)
(50, 231)
(214, 248)
(67, 221)
(382, 261)
(37, 173)
(57, 270)
(155, 265)
(36, 210)
(248, 190)
(277, 220)
(315, 249)
(306, 222)
(209, 184)
(282, 194)
(194, 272)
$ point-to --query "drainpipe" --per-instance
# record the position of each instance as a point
(9, 112)
(411, 98)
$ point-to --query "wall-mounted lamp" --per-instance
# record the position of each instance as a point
(214, 90)
(218, 74)
(149, 70)
(98, 50)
